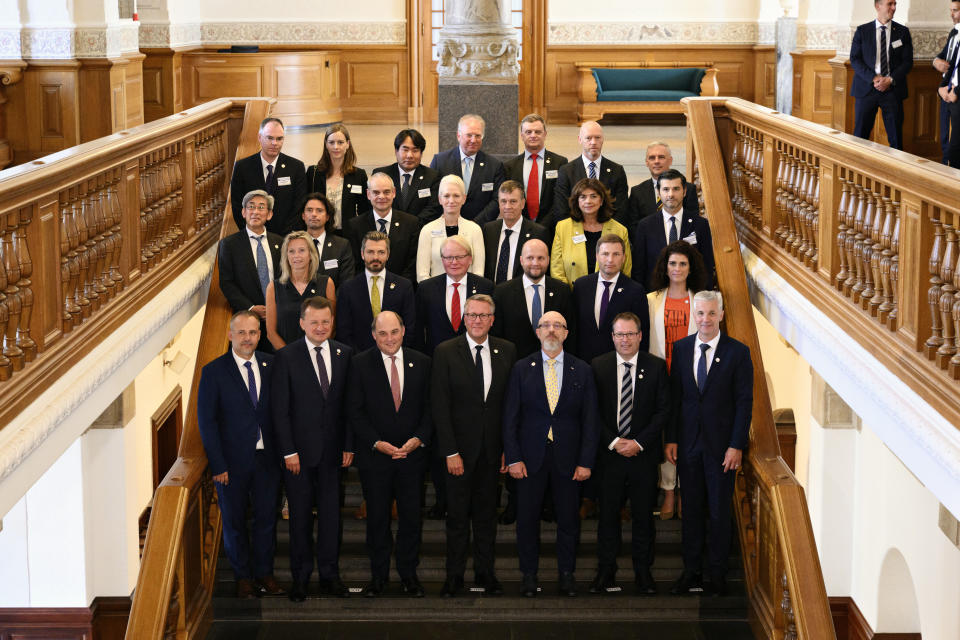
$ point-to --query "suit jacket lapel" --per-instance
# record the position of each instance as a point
(715, 364)
(240, 379)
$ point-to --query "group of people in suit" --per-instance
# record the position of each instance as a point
(451, 337)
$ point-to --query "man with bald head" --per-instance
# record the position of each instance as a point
(482, 174)
(645, 199)
(590, 164)
(549, 439)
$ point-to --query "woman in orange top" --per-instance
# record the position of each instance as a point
(678, 274)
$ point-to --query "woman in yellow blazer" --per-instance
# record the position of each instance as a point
(575, 239)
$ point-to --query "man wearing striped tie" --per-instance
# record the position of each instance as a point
(634, 396)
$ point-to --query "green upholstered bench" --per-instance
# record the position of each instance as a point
(644, 87)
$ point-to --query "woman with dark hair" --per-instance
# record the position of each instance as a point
(574, 251)
(337, 176)
(677, 275)
(298, 281)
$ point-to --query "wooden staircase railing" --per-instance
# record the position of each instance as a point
(782, 569)
(178, 564)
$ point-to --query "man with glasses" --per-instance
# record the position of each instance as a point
(469, 381)
(549, 439)
(634, 395)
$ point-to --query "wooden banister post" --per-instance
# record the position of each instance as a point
(769, 209)
(829, 221)
(916, 242)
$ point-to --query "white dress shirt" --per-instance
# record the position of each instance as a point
(514, 239)
(461, 293)
(528, 294)
(711, 352)
(377, 218)
(877, 24)
(633, 380)
(266, 247)
(264, 164)
(318, 244)
(599, 295)
(241, 364)
(485, 358)
(666, 223)
(586, 164)
(325, 350)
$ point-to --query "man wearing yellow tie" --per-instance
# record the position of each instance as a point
(550, 439)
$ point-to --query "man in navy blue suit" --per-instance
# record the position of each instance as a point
(233, 412)
(944, 63)
(309, 386)
(482, 174)
(549, 439)
(881, 56)
(711, 379)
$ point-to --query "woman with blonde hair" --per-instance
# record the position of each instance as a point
(337, 176)
(434, 234)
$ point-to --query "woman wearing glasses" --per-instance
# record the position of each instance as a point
(434, 234)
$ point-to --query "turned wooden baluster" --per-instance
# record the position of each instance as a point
(24, 341)
(11, 275)
(146, 255)
(166, 182)
(894, 269)
(66, 320)
(933, 293)
(799, 246)
(95, 241)
(947, 289)
(103, 283)
(115, 213)
(86, 229)
(871, 233)
(842, 228)
(780, 232)
(7, 367)
(758, 182)
(789, 200)
(813, 216)
(736, 172)
(155, 219)
(75, 216)
(860, 225)
(953, 366)
(178, 191)
(882, 229)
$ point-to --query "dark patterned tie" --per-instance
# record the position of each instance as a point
(503, 261)
(884, 62)
(593, 170)
(383, 224)
(702, 367)
(673, 229)
(322, 368)
(626, 401)
(263, 269)
(271, 182)
(604, 302)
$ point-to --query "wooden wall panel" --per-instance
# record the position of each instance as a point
(213, 79)
(765, 75)
(813, 85)
(373, 85)
(162, 83)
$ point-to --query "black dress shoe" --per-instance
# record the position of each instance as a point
(491, 586)
(602, 582)
(509, 515)
(374, 588)
(547, 514)
(716, 586)
(437, 512)
(567, 585)
(528, 588)
(645, 584)
(451, 587)
(298, 592)
(689, 583)
(412, 587)
(333, 587)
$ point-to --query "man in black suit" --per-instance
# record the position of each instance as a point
(601, 295)
(482, 174)
(591, 164)
(634, 395)
(536, 168)
(336, 256)
(416, 184)
(645, 197)
(309, 388)
(280, 175)
(711, 379)
(504, 237)
(389, 411)
(469, 380)
(371, 291)
(653, 233)
(233, 415)
(250, 260)
(944, 63)
(402, 228)
(522, 301)
(881, 56)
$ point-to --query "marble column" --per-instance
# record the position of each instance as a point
(786, 42)
(478, 72)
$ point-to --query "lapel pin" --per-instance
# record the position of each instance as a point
(533, 364)
(689, 219)
(276, 246)
(551, 294)
(338, 351)
(420, 178)
(640, 377)
(396, 224)
(716, 359)
(608, 169)
(547, 161)
(263, 364)
(620, 290)
(393, 285)
(410, 364)
(481, 164)
(528, 235)
(283, 166)
(313, 290)
(473, 291)
(496, 350)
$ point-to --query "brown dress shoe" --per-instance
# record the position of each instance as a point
(245, 589)
(361, 512)
(624, 513)
(588, 509)
(269, 587)
(393, 510)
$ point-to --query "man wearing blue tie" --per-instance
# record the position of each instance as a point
(233, 412)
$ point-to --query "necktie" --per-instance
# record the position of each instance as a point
(252, 388)
(322, 369)
(467, 172)
(951, 45)
(626, 401)
(405, 186)
(271, 181)
(656, 190)
(884, 63)
(375, 296)
(536, 307)
(479, 363)
(533, 189)
(673, 229)
(503, 261)
(383, 224)
(455, 316)
(263, 270)
(553, 391)
(316, 243)
(593, 170)
(604, 303)
(702, 367)
(395, 383)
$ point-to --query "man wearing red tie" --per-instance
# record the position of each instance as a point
(535, 169)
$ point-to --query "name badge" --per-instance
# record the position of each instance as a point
(579, 239)
(438, 233)
(423, 193)
(550, 174)
(691, 239)
(355, 188)
(284, 181)
(487, 186)
(331, 264)
(896, 44)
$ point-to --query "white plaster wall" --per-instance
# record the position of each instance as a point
(46, 13)
(302, 11)
(649, 12)
(14, 576)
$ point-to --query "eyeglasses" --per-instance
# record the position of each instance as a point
(551, 325)
(625, 334)
(477, 316)
(256, 207)
(454, 258)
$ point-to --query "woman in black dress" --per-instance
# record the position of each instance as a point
(337, 176)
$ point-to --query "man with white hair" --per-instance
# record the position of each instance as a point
(481, 173)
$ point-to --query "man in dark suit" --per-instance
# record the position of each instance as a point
(522, 301)
(441, 299)
(881, 56)
(601, 295)
(417, 185)
(233, 414)
(591, 164)
(653, 233)
(336, 255)
(549, 438)
(250, 260)
(469, 380)
(645, 197)
(374, 290)
(309, 388)
(482, 174)
(634, 395)
(711, 382)
(402, 228)
(504, 237)
(389, 411)
(280, 175)
(944, 63)
(536, 169)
